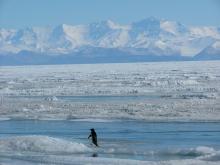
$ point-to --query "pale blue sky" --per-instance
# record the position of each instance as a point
(24, 13)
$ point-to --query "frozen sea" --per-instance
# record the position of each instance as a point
(120, 141)
(144, 113)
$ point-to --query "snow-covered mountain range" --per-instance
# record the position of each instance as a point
(150, 38)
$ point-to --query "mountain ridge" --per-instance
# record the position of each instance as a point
(150, 37)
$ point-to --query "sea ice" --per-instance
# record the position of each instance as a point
(180, 91)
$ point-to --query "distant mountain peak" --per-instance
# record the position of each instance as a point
(152, 35)
(150, 21)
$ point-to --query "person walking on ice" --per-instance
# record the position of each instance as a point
(93, 135)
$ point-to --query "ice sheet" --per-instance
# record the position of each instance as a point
(182, 91)
(43, 144)
(49, 150)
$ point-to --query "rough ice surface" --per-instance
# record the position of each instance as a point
(43, 144)
(48, 150)
(180, 91)
(106, 161)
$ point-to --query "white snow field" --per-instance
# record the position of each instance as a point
(162, 91)
(156, 36)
